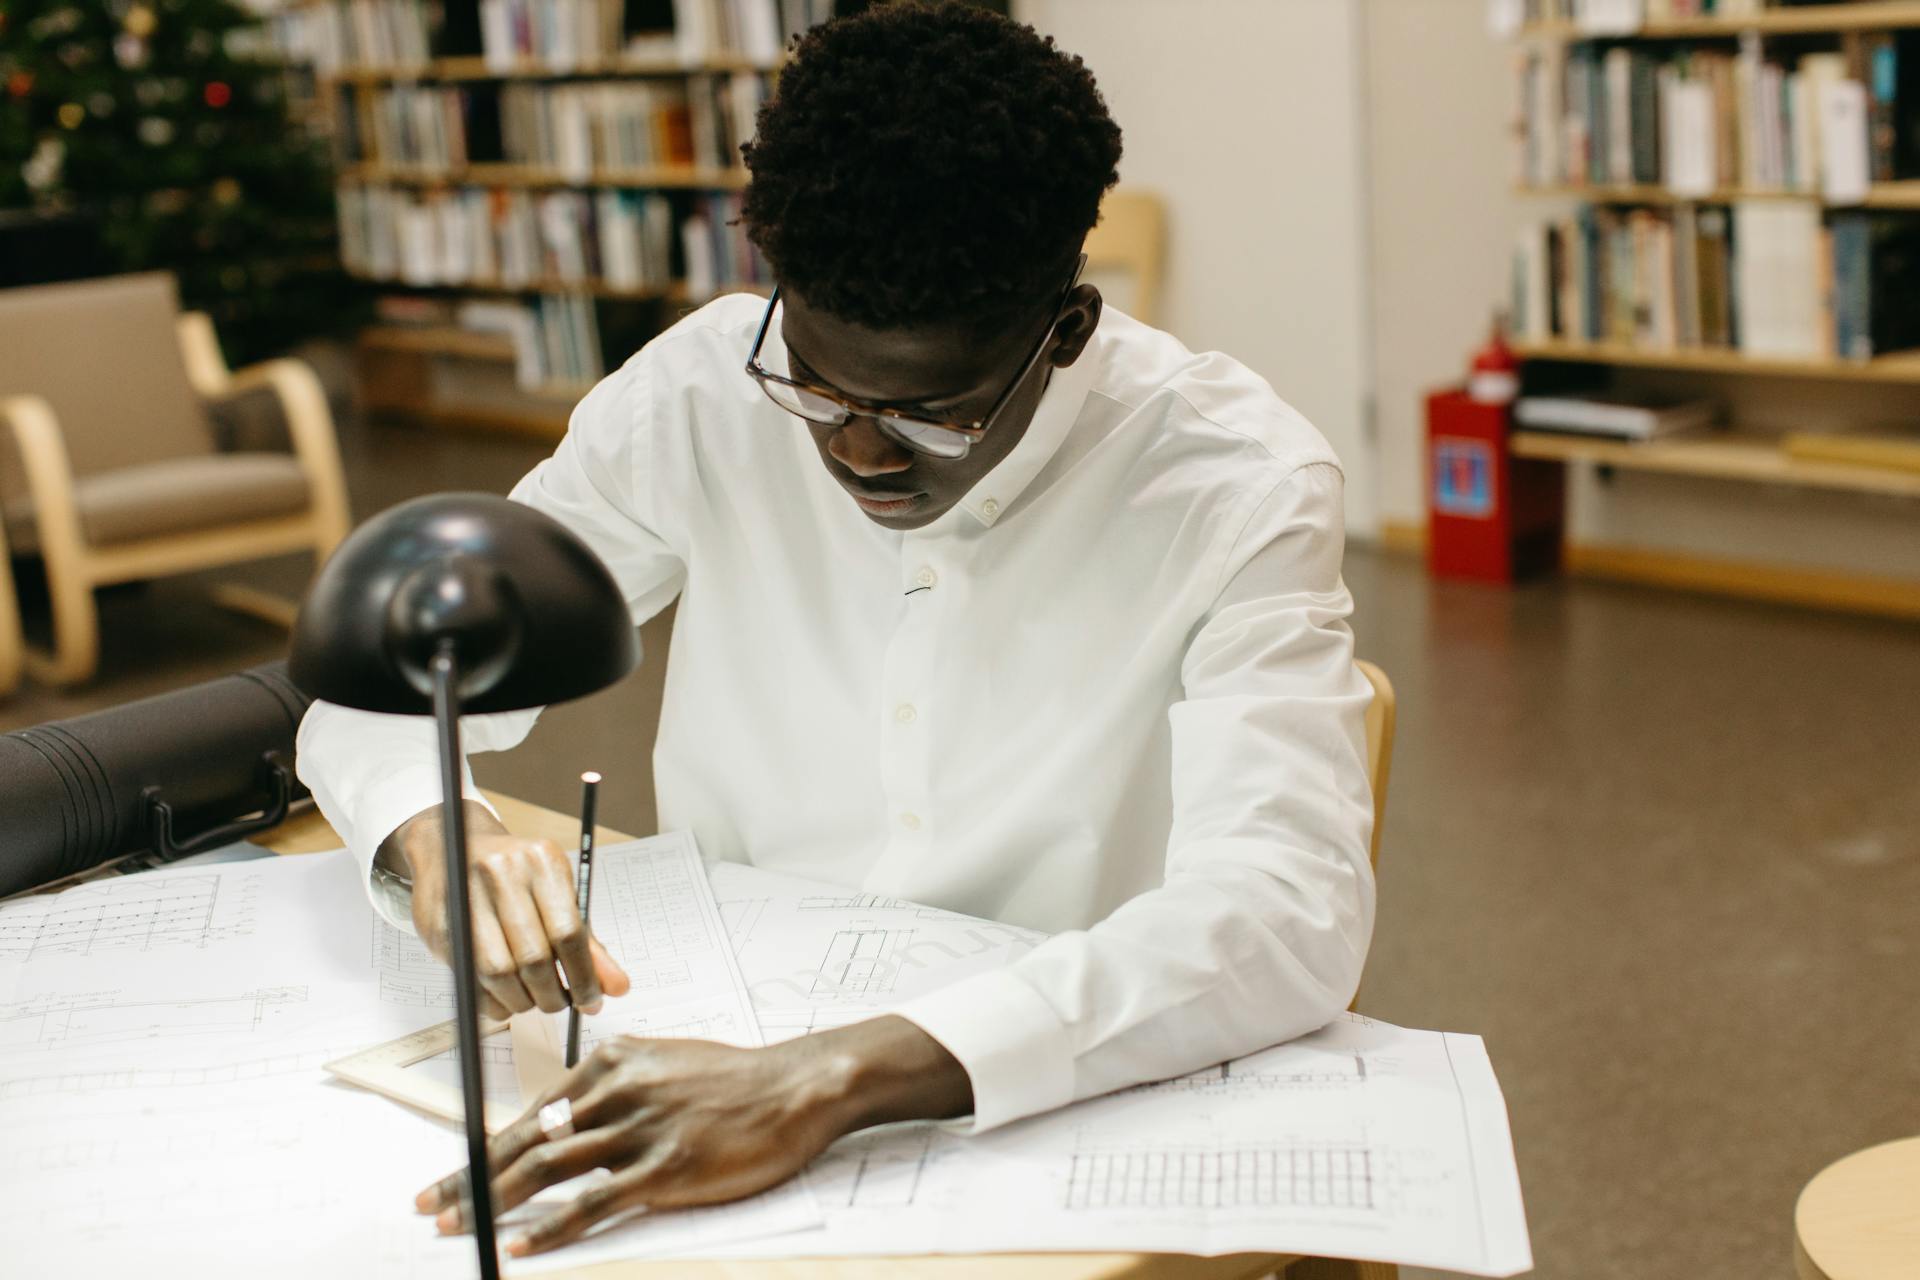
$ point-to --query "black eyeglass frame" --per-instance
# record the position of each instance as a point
(850, 408)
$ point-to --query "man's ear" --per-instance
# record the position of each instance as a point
(1078, 319)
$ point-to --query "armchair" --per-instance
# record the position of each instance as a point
(108, 470)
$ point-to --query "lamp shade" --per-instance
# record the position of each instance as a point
(530, 614)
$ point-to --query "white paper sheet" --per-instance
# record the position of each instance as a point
(816, 956)
(161, 1038)
(1361, 1140)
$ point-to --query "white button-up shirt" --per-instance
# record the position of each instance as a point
(1110, 695)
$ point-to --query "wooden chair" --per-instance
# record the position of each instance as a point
(114, 475)
(1380, 714)
(11, 643)
(1131, 238)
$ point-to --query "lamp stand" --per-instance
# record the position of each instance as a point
(466, 996)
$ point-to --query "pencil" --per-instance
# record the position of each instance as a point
(589, 789)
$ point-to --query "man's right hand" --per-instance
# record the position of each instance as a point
(526, 915)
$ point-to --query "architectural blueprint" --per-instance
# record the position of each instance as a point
(161, 1092)
(1360, 1140)
(164, 1107)
(816, 957)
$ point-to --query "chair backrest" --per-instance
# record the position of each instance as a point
(1130, 238)
(105, 354)
(1379, 745)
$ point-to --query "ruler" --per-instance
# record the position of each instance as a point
(383, 1069)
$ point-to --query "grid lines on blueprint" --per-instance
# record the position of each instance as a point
(1339, 1177)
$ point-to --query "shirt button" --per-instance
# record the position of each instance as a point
(925, 577)
(911, 821)
(990, 508)
(905, 713)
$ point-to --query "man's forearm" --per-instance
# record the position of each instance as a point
(879, 1071)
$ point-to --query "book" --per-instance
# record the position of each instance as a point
(1614, 416)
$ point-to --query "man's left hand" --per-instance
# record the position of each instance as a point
(689, 1122)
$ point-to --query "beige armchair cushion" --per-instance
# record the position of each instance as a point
(177, 496)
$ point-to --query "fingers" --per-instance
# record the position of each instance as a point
(548, 1164)
(525, 1133)
(499, 974)
(613, 979)
(624, 1191)
(559, 908)
(508, 874)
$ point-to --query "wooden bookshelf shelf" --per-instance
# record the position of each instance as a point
(475, 68)
(438, 340)
(1900, 367)
(1884, 195)
(1871, 15)
(521, 175)
(675, 292)
(1720, 455)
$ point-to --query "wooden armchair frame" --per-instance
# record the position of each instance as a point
(11, 644)
(75, 567)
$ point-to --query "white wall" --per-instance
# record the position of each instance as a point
(1246, 116)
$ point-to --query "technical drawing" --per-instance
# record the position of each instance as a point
(1261, 1177)
(409, 974)
(134, 914)
(875, 1171)
(860, 963)
(872, 902)
(1340, 1070)
(107, 1080)
(64, 1022)
(649, 909)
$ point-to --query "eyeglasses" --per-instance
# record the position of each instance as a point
(911, 428)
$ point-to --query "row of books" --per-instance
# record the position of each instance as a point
(572, 129)
(352, 34)
(621, 241)
(558, 35)
(1625, 15)
(1768, 278)
(629, 124)
(753, 29)
(417, 126)
(553, 35)
(556, 337)
(1700, 119)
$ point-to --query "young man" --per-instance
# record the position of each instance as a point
(989, 598)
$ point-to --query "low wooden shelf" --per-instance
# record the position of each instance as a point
(494, 174)
(1872, 15)
(476, 68)
(1899, 367)
(1725, 455)
(1882, 195)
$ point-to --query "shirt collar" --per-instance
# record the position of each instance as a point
(1058, 410)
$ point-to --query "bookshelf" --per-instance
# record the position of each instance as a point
(1727, 455)
(1718, 249)
(1869, 15)
(1880, 195)
(535, 187)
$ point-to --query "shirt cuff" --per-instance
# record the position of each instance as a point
(1014, 1047)
(382, 808)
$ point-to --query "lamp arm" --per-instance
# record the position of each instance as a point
(466, 998)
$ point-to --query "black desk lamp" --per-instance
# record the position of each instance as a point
(455, 604)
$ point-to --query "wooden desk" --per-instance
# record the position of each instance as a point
(310, 834)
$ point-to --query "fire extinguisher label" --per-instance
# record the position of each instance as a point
(1463, 478)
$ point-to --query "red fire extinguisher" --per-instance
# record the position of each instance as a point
(1489, 515)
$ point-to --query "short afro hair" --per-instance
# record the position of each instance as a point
(928, 163)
